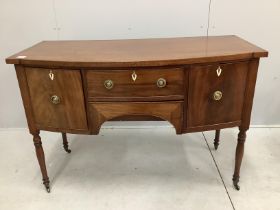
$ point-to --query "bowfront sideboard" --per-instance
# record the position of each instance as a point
(196, 84)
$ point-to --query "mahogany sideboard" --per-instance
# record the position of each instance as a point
(195, 83)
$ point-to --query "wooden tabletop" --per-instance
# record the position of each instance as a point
(137, 52)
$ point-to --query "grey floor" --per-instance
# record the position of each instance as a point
(141, 169)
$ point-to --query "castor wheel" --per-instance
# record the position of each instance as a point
(65, 143)
(47, 185)
(235, 181)
(217, 139)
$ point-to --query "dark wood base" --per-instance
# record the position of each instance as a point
(65, 143)
(217, 139)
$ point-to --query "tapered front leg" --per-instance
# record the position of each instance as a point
(217, 139)
(65, 143)
(238, 157)
(41, 159)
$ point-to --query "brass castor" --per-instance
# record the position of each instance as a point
(47, 185)
(216, 145)
(65, 143)
(235, 180)
(217, 139)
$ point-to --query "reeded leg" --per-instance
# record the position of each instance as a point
(41, 159)
(65, 143)
(238, 157)
(217, 139)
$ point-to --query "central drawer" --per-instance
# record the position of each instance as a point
(136, 85)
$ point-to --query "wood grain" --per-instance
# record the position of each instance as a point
(249, 93)
(25, 95)
(170, 111)
(211, 127)
(70, 112)
(144, 88)
(204, 81)
(138, 52)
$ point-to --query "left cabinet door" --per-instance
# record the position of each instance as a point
(57, 98)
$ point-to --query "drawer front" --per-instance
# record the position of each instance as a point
(57, 98)
(216, 93)
(153, 84)
(104, 111)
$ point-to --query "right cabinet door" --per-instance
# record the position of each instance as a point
(216, 93)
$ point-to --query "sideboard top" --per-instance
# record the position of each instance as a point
(137, 52)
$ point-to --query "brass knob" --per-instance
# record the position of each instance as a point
(217, 95)
(109, 84)
(55, 99)
(161, 82)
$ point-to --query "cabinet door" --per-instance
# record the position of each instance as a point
(216, 93)
(57, 98)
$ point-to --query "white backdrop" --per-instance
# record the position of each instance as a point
(24, 23)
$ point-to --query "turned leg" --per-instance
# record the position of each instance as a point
(238, 157)
(41, 159)
(217, 139)
(65, 143)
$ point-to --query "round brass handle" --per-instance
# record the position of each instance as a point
(217, 95)
(109, 84)
(55, 99)
(161, 82)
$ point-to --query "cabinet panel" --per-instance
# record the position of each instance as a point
(216, 93)
(102, 111)
(58, 101)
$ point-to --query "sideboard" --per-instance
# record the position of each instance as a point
(195, 83)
